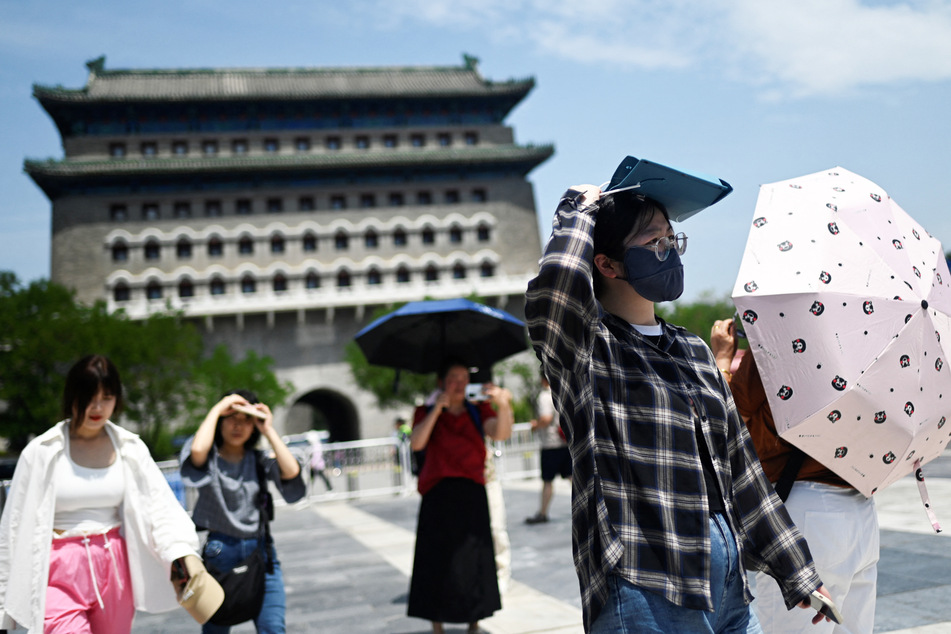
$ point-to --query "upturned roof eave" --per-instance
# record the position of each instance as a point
(349, 160)
(51, 174)
(56, 94)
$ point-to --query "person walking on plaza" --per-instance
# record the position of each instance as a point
(669, 500)
(318, 466)
(555, 457)
(221, 461)
(840, 524)
(91, 527)
(454, 575)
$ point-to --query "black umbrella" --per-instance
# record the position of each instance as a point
(421, 336)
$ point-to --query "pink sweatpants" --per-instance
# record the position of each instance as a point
(89, 589)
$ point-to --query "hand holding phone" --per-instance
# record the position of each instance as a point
(476, 392)
(825, 606)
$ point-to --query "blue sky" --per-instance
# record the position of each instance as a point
(750, 91)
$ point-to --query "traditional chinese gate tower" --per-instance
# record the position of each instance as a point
(278, 207)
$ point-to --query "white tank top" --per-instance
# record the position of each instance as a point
(87, 500)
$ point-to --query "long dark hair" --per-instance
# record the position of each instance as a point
(251, 442)
(83, 381)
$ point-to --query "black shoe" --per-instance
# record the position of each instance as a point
(537, 518)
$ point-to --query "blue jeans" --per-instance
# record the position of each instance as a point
(224, 552)
(630, 609)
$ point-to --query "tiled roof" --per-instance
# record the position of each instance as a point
(530, 154)
(223, 84)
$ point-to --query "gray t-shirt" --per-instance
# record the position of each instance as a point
(227, 492)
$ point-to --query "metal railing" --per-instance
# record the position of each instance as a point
(366, 468)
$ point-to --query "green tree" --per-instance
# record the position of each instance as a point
(44, 330)
(219, 373)
(698, 316)
(39, 324)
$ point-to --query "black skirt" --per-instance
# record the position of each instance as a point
(454, 578)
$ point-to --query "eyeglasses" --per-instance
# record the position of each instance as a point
(662, 246)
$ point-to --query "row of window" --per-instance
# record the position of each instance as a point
(120, 212)
(152, 249)
(122, 292)
(300, 144)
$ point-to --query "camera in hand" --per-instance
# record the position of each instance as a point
(475, 392)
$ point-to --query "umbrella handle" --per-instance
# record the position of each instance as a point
(925, 499)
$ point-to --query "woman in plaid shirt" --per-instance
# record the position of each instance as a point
(669, 500)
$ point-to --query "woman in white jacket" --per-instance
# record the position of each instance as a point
(91, 527)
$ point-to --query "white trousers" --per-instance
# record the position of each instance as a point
(841, 526)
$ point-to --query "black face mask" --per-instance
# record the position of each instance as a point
(654, 280)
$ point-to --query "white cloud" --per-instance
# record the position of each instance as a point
(826, 47)
(794, 49)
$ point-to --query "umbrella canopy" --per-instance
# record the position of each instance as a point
(420, 336)
(847, 306)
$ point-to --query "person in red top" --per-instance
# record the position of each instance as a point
(454, 578)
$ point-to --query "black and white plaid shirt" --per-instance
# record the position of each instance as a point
(630, 406)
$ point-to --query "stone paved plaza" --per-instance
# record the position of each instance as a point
(347, 564)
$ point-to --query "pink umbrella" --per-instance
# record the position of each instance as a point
(847, 305)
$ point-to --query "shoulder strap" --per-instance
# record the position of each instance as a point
(473, 410)
(263, 496)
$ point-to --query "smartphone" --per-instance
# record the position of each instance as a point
(738, 326)
(474, 392)
(824, 606)
(250, 411)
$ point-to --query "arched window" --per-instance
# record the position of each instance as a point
(455, 234)
(248, 284)
(215, 247)
(487, 269)
(483, 233)
(399, 238)
(120, 252)
(277, 244)
(458, 271)
(217, 286)
(186, 289)
(309, 242)
(374, 277)
(152, 250)
(245, 246)
(183, 250)
(341, 241)
(429, 237)
(280, 283)
(121, 292)
(432, 273)
(343, 279)
(402, 275)
(312, 280)
(153, 290)
(370, 239)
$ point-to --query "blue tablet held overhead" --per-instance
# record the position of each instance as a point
(682, 193)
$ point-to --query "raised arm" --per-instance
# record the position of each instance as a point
(499, 427)
(286, 461)
(560, 306)
(205, 436)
